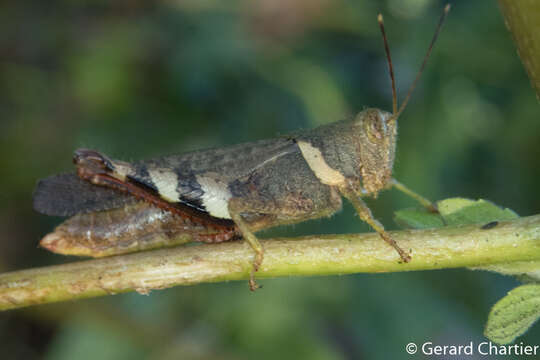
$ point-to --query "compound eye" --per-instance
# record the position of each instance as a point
(375, 128)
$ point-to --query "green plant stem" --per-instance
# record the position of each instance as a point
(449, 247)
(522, 17)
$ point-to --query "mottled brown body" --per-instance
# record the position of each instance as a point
(269, 181)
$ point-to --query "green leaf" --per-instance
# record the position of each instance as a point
(460, 211)
(454, 211)
(417, 219)
(514, 314)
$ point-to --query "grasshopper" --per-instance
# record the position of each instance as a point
(222, 194)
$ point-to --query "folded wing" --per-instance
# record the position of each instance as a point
(67, 195)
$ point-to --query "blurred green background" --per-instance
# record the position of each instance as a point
(137, 79)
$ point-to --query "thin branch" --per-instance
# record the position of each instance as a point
(450, 247)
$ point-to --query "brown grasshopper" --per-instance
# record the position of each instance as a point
(226, 193)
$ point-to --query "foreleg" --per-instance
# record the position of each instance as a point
(365, 214)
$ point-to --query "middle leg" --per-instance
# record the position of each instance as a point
(235, 209)
(290, 209)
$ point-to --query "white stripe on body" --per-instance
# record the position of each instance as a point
(318, 165)
(166, 182)
(215, 198)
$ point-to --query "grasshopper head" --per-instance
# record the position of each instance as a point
(377, 148)
(378, 129)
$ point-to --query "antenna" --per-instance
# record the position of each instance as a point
(396, 112)
(390, 67)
